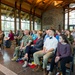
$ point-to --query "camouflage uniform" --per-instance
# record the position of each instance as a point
(26, 39)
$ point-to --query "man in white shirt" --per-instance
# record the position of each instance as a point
(49, 48)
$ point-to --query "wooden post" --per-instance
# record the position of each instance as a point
(30, 22)
(41, 22)
(68, 19)
(15, 16)
(33, 19)
(0, 14)
(30, 18)
(63, 18)
(20, 16)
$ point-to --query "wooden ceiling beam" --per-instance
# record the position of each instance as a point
(36, 4)
(27, 2)
(48, 3)
(65, 4)
(41, 7)
(16, 0)
(47, 6)
(23, 9)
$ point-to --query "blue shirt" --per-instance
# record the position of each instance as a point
(57, 37)
(34, 36)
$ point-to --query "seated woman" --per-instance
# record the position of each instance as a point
(33, 48)
(11, 35)
(34, 36)
(9, 39)
(69, 36)
(63, 54)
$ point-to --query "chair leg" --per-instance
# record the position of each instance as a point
(71, 68)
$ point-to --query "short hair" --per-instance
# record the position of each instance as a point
(40, 33)
(53, 30)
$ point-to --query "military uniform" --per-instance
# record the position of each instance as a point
(26, 39)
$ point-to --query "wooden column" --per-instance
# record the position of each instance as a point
(68, 19)
(33, 23)
(20, 16)
(15, 16)
(30, 18)
(0, 14)
(41, 22)
(33, 19)
(63, 18)
(30, 22)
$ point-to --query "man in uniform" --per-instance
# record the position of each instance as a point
(26, 41)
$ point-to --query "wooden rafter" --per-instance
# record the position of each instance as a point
(38, 4)
(16, 0)
(42, 5)
(48, 4)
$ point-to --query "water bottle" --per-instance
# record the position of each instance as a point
(48, 67)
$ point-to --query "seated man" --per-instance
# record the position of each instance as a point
(19, 37)
(26, 41)
(49, 48)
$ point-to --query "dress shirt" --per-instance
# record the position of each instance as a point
(51, 43)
